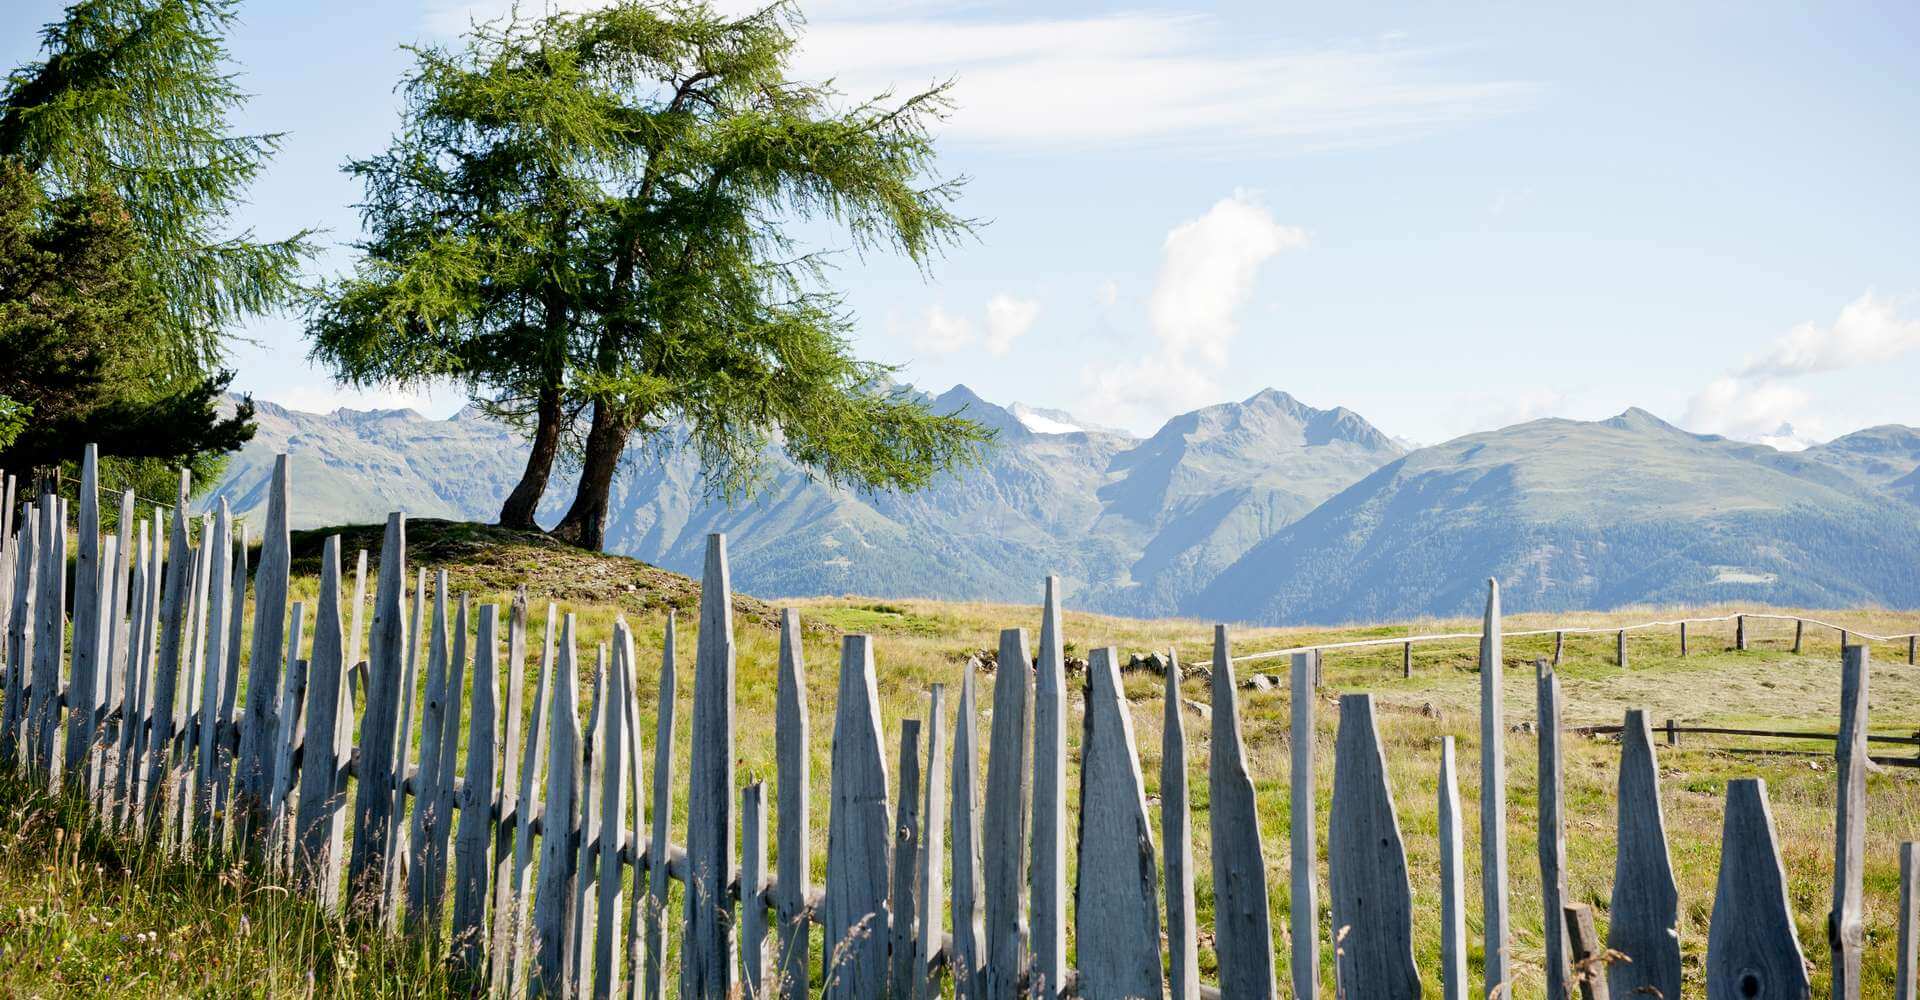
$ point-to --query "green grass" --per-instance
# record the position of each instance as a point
(926, 642)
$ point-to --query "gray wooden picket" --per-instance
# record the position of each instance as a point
(930, 889)
(968, 958)
(1644, 917)
(471, 860)
(506, 839)
(1115, 895)
(426, 820)
(83, 699)
(395, 901)
(611, 763)
(1304, 910)
(1453, 890)
(1372, 899)
(854, 960)
(322, 786)
(1047, 902)
(1752, 947)
(219, 549)
(1004, 833)
(792, 767)
(373, 798)
(905, 856)
(560, 819)
(286, 732)
(584, 916)
(533, 765)
(269, 638)
(1906, 956)
(753, 881)
(637, 795)
(1243, 935)
(707, 956)
(446, 773)
(1552, 831)
(661, 817)
(1176, 837)
(1846, 931)
(1496, 929)
(228, 727)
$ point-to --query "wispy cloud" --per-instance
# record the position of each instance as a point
(1125, 78)
(1008, 319)
(942, 331)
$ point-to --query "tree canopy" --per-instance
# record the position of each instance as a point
(589, 220)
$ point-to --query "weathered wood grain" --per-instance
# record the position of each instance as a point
(504, 931)
(906, 856)
(1496, 928)
(286, 734)
(1583, 943)
(49, 625)
(83, 710)
(1176, 837)
(373, 798)
(859, 837)
(1048, 874)
(1372, 900)
(1906, 956)
(612, 765)
(1115, 892)
(1752, 948)
(1846, 929)
(229, 728)
(661, 817)
(553, 911)
(1552, 830)
(219, 546)
(753, 880)
(426, 821)
(1620, 649)
(1243, 934)
(322, 787)
(1453, 888)
(533, 761)
(252, 763)
(637, 794)
(930, 892)
(471, 861)
(446, 779)
(1004, 830)
(586, 850)
(706, 965)
(1304, 909)
(1644, 916)
(396, 877)
(968, 960)
(792, 766)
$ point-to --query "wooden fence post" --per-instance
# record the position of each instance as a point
(1048, 921)
(706, 964)
(1683, 638)
(1406, 659)
(439, 851)
(1559, 646)
(1553, 842)
(1243, 935)
(753, 872)
(792, 765)
(967, 963)
(930, 894)
(1115, 891)
(612, 763)
(661, 815)
(1004, 843)
(228, 735)
(1367, 866)
(503, 934)
(293, 694)
(1176, 834)
(1644, 916)
(49, 624)
(373, 801)
(1620, 649)
(858, 841)
(471, 866)
(83, 709)
(269, 639)
(1906, 979)
(395, 877)
(1799, 631)
(1752, 949)
(906, 852)
(637, 793)
(532, 766)
(1497, 935)
(553, 904)
(1304, 912)
(1583, 941)
(426, 821)
(322, 784)
(1453, 899)
(219, 549)
(586, 862)
(1913, 647)
(1846, 934)
(1740, 633)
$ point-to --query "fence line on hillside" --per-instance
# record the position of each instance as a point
(542, 866)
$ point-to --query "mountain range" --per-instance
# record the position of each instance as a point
(1265, 510)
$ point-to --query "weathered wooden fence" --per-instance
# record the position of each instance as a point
(540, 860)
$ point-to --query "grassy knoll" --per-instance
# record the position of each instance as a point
(925, 642)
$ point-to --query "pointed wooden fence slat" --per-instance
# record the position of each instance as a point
(219, 549)
(706, 964)
(1644, 917)
(286, 732)
(854, 962)
(1243, 933)
(21, 550)
(1372, 899)
(1004, 828)
(1047, 920)
(499, 949)
(321, 813)
(373, 802)
(120, 797)
(553, 898)
(1846, 930)
(83, 702)
(1176, 835)
(1496, 930)
(753, 880)
(966, 961)
(1552, 831)
(533, 764)
(661, 817)
(637, 795)
(792, 767)
(1453, 892)
(446, 774)
(49, 624)
(395, 879)
(426, 821)
(269, 638)
(1752, 948)
(906, 853)
(593, 776)
(930, 890)
(475, 840)
(114, 630)
(1115, 897)
(228, 735)
(1305, 909)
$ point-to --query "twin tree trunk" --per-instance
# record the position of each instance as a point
(586, 522)
(518, 511)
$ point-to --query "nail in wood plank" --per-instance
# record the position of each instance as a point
(1367, 866)
(1644, 916)
(1243, 935)
(1176, 834)
(1752, 948)
(858, 835)
(1115, 898)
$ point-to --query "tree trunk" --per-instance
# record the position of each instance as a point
(586, 522)
(518, 511)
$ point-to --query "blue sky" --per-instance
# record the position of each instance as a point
(1446, 217)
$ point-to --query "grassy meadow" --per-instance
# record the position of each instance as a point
(76, 904)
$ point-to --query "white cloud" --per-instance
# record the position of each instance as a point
(942, 332)
(1207, 271)
(1126, 77)
(1868, 330)
(1759, 402)
(1008, 319)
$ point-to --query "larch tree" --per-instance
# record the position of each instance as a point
(589, 221)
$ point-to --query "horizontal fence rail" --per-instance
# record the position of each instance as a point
(378, 768)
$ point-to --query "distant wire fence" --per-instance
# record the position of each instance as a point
(417, 790)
